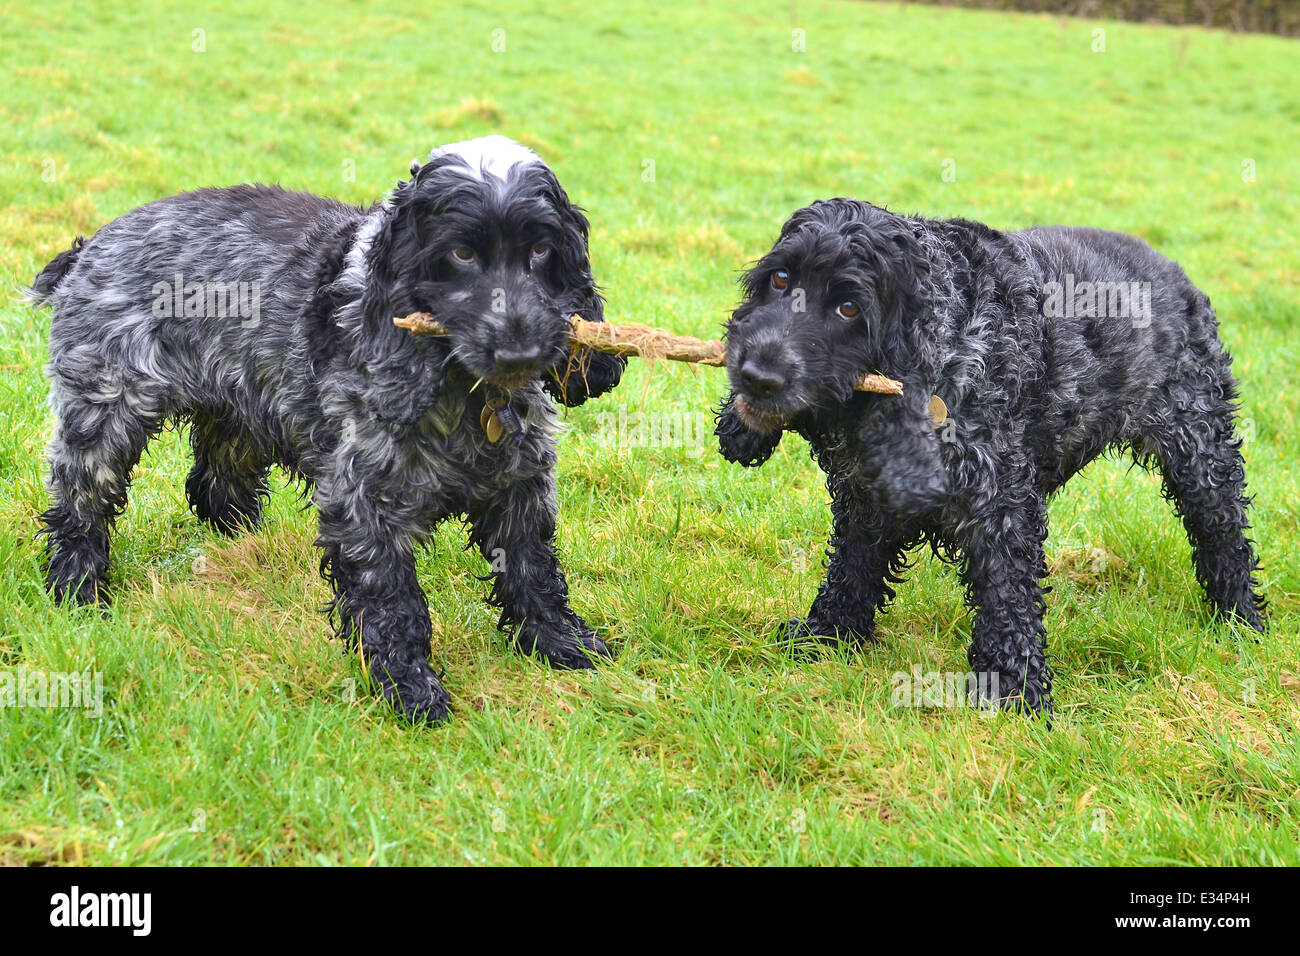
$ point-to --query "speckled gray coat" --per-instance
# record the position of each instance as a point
(264, 318)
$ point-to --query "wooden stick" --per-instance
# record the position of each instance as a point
(642, 341)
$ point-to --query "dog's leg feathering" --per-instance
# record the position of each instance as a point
(95, 447)
(1003, 568)
(369, 562)
(515, 531)
(227, 487)
(865, 559)
(1205, 478)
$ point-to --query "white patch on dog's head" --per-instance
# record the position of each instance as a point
(489, 155)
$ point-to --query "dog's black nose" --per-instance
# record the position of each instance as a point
(517, 359)
(759, 381)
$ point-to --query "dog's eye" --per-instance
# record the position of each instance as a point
(539, 253)
(463, 254)
(848, 310)
(780, 279)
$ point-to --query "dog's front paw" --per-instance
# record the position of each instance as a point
(738, 442)
(587, 375)
(569, 646)
(74, 580)
(1028, 701)
(411, 688)
(80, 593)
(801, 630)
(1028, 693)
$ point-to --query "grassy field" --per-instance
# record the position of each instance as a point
(231, 730)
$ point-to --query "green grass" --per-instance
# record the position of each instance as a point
(231, 732)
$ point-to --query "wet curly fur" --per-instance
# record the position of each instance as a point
(382, 426)
(1037, 383)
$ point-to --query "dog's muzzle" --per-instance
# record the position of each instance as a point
(516, 364)
(756, 419)
(762, 380)
(517, 351)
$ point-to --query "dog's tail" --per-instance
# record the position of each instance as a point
(47, 280)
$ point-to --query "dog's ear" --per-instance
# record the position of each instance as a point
(738, 442)
(402, 371)
(909, 267)
(899, 456)
(583, 373)
(905, 339)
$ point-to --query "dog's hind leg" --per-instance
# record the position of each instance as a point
(227, 487)
(515, 531)
(865, 558)
(102, 429)
(1199, 456)
(1003, 568)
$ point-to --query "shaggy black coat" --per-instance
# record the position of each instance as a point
(264, 319)
(1047, 346)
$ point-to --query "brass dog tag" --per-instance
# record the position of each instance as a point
(489, 421)
(938, 411)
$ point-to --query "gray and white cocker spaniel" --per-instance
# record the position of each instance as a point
(264, 319)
